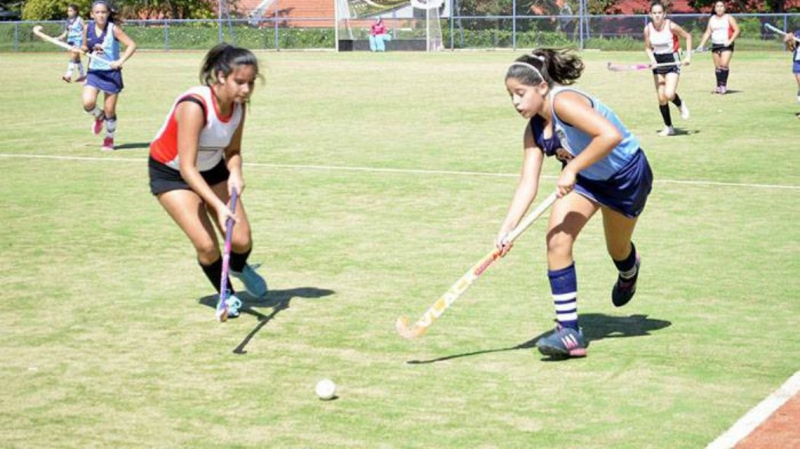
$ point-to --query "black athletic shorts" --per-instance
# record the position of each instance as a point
(164, 178)
(719, 48)
(667, 58)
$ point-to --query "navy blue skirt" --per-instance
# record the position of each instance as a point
(108, 81)
(626, 192)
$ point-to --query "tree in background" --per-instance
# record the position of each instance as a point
(128, 9)
(170, 9)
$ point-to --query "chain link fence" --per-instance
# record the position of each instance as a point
(604, 32)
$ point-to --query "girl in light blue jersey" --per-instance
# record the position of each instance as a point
(73, 35)
(102, 38)
(603, 169)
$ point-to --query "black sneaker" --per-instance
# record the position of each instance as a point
(624, 289)
(563, 342)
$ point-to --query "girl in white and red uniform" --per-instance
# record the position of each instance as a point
(663, 46)
(723, 30)
(195, 164)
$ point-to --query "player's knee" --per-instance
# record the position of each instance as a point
(559, 244)
(242, 239)
(207, 252)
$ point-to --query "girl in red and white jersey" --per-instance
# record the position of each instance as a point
(196, 163)
(662, 45)
(723, 30)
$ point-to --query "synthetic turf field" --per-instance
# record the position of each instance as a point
(373, 183)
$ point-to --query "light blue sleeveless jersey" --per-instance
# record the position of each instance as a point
(75, 30)
(107, 41)
(575, 141)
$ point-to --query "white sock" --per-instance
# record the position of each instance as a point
(111, 127)
(97, 113)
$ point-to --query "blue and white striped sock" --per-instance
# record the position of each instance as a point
(564, 287)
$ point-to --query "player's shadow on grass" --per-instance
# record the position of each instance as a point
(132, 146)
(684, 132)
(596, 326)
(277, 300)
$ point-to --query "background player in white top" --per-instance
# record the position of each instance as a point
(73, 35)
(723, 30)
(663, 46)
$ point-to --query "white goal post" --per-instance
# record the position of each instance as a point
(406, 20)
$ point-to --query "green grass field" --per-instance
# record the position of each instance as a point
(373, 183)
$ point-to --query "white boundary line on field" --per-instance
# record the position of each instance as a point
(757, 415)
(393, 170)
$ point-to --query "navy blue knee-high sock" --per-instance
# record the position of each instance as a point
(564, 287)
(627, 266)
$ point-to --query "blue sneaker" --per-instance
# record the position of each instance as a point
(624, 289)
(252, 281)
(563, 342)
(228, 308)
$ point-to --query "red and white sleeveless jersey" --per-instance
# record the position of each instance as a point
(721, 29)
(664, 41)
(215, 136)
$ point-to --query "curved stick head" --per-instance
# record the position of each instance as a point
(406, 331)
(37, 28)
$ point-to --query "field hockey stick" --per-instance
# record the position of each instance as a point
(37, 30)
(615, 67)
(457, 289)
(779, 31)
(222, 305)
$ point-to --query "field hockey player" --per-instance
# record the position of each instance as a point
(663, 46)
(195, 164)
(792, 41)
(723, 30)
(73, 35)
(603, 168)
(103, 36)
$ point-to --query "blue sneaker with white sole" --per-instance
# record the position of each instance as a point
(253, 282)
(228, 308)
(562, 343)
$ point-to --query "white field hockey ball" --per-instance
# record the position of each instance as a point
(325, 389)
